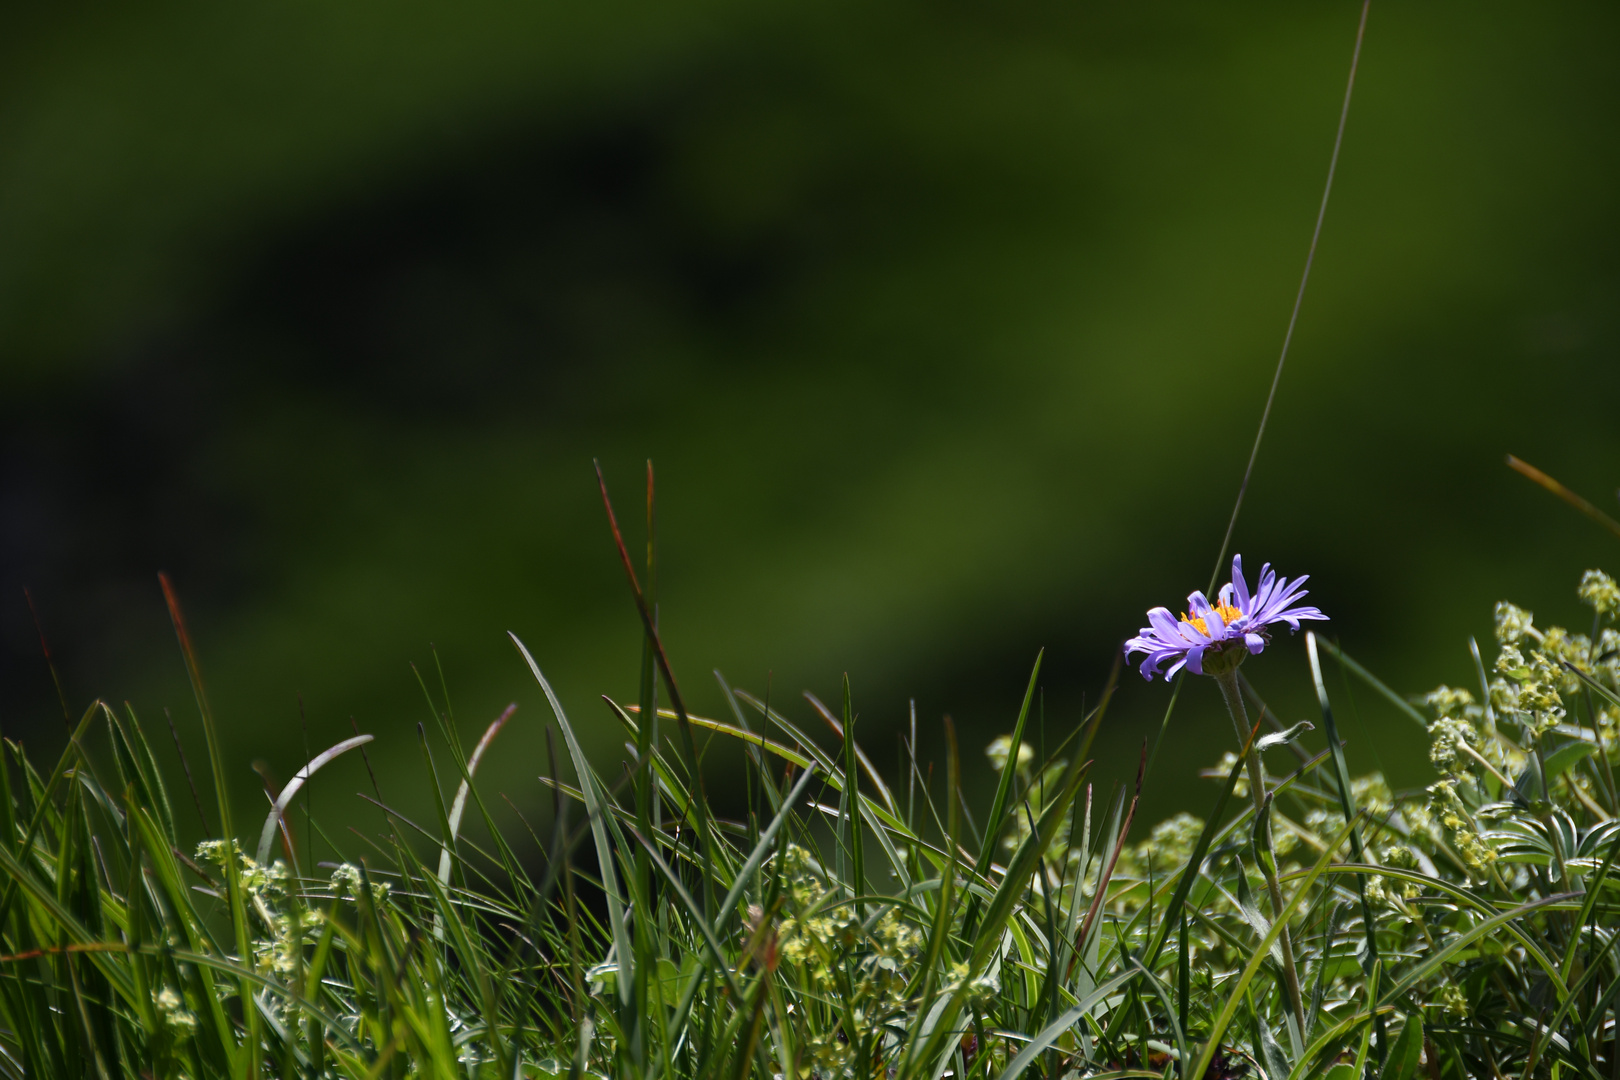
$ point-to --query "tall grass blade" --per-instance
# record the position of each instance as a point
(597, 811)
(998, 807)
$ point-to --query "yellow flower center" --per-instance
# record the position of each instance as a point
(1226, 611)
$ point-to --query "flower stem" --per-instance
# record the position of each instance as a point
(1228, 682)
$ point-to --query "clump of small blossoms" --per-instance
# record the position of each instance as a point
(1388, 891)
(1000, 749)
(1541, 669)
(824, 941)
(172, 1011)
(258, 881)
(1599, 592)
(347, 880)
(266, 887)
(1447, 810)
(1454, 733)
(1166, 849)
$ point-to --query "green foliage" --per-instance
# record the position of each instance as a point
(840, 929)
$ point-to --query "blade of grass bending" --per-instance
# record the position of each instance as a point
(1262, 951)
(1189, 873)
(1347, 804)
(1474, 901)
(1050, 1033)
(590, 791)
(459, 803)
(765, 778)
(1373, 681)
(268, 834)
(748, 735)
(1536, 476)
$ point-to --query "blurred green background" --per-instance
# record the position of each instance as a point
(946, 325)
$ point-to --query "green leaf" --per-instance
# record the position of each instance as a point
(1565, 758)
(1406, 1057)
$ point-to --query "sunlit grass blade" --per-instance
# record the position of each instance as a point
(290, 790)
(596, 810)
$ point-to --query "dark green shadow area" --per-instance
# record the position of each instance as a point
(946, 327)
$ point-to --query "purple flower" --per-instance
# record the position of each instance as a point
(1234, 626)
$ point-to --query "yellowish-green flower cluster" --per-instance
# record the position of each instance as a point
(1453, 1000)
(1452, 738)
(348, 880)
(276, 951)
(980, 988)
(1540, 670)
(1386, 890)
(867, 968)
(258, 881)
(1599, 591)
(172, 1011)
(1446, 701)
(1532, 688)
(1000, 749)
(1447, 810)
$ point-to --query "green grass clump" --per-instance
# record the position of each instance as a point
(852, 925)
